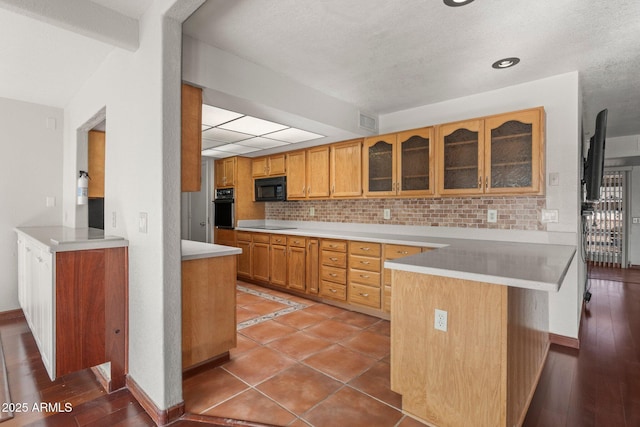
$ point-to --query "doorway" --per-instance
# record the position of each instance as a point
(197, 208)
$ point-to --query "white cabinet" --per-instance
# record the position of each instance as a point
(35, 293)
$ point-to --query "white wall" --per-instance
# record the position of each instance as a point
(30, 171)
(629, 146)
(141, 93)
(560, 97)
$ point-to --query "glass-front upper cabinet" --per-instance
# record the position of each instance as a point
(399, 164)
(514, 152)
(461, 157)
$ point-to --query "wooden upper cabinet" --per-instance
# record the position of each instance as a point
(514, 153)
(96, 163)
(415, 162)
(296, 175)
(501, 154)
(318, 172)
(269, 166)
(400, 164)
(379, 166)
(191, 138)
(346, 169)
(461, 157)
(226, 172)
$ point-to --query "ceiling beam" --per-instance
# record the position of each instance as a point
(81, 17)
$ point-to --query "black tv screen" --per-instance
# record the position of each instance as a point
(594, 165)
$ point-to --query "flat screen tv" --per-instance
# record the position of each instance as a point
(594, 164)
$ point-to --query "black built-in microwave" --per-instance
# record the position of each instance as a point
(271, 189)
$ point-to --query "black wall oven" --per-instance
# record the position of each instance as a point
(223, 214)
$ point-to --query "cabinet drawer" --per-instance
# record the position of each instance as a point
(278, 239)
(335, 259)
(298, 242)
(260, 238)
(334, 245)
(364, 295)
(399, 251)
(364, 248)
(333, 274)
(333, 290)
(364, 263)
(363, 277)
(242, 236)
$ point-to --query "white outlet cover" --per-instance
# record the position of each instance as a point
(549, 215)
(387, 213)
(440, 320)
(492, 215)
(142, 222)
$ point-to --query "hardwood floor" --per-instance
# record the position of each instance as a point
(599, 385)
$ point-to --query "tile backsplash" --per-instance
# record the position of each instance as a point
(514, 212)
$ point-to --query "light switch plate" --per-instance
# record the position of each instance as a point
(142, 222)
(554, 179)
(636, 220)
(549, 215)
(387, 214)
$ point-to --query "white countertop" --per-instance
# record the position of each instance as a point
(198, 250)
(526, 265)
(63, 239)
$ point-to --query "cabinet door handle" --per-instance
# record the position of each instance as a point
(365, 262)
(403, 252)
(333, 290)
(362, 294)
(334, 259)
(365, 249)
(486, 182)
(333, 275)
(333, 246)
(479, 182)
(296, 242)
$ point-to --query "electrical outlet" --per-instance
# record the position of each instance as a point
(440, 322)
(549, 215)
(492, 215)
(386, 213)
(312, 211)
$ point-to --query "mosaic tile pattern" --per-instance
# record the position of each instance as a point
(291, 307)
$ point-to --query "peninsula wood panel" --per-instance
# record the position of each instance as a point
(208, 308)
(484, 368)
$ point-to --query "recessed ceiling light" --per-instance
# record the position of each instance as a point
(505, 63)
(456, 3)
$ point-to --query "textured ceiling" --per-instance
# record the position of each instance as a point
(389, 55)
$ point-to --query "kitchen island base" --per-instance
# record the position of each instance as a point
(484, 368)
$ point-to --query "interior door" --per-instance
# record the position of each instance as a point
(200, 207)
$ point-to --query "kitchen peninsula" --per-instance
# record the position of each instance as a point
(208, 304)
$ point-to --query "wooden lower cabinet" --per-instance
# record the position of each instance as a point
(364, 274)
(313, 266)
(393, 252)
(278, 265)
(261, 260)
(297, 263)
(208, 309)
(333, 269)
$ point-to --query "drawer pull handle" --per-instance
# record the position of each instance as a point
(363, 294)
(333, 246)
(403, 252)
(296, 242)
(333, 290)
(333, 275)
(364, 276)
(366, 249)
(365, 262)
(333, 259)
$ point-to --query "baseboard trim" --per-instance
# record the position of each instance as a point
(564, 341)
(160, 416)
(105, 382)
(208, 364)
(11, 314)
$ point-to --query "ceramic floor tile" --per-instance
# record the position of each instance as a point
(376, 382)
(253, 406)
(243, 298)
(356, 319)
(244, 344)
(407, 421)
(340, 362)
(349, 407)
(324, 310)
(382, 327)
(265, 307)
(333, 330)
(299, 388)
(300, 345)
(243, 314)
(300, 319)
(370, 344)
(267, 331)
(258, 364)
(209, 388)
